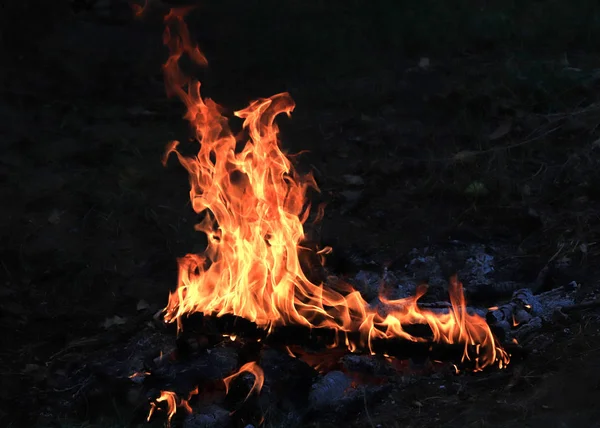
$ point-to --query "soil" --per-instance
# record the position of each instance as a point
(407, 153)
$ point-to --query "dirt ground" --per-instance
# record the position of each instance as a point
(478, 145)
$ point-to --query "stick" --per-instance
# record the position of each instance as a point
(561, 313)
(591, 304)
(320, 339)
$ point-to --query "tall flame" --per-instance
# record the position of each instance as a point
(254, 205)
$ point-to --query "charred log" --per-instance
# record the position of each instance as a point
(527, 312)
(320, 339)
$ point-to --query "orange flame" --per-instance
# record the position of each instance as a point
(139, 9)
(139, 374)
(254, 205)
(173, 401)
(255, 370)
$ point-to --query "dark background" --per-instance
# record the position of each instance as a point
(495, 140)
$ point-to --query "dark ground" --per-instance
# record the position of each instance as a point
(496, 140)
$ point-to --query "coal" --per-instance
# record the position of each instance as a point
(337, 393)
(282, 370)
(374, 365)
(527, 312)
(211, 416)
(329, 390)
(177, 375)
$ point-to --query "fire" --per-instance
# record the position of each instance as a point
(172, 401)
(255, 370)
(254, 205)
(138, 10)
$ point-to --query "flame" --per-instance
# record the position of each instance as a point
(254, 205)
(139, 9)
(255, 370)
(231, 337)
(139, 374)
(172, 401)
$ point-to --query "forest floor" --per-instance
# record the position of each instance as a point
(475, 141)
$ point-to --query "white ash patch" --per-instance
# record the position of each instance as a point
(480, 265)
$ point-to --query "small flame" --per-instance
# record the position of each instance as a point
(255, 370)
(139, 9)
(289, 351)
(254, 205)
(515, 323)
(139, 377)
(139, 374)
(173, 401)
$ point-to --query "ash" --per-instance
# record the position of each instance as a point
(488, 273)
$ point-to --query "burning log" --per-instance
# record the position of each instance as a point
(254, 205)
(262, 280)
(526, 312)
(519, 310)
(320, 339)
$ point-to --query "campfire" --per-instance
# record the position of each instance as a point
(260, 329)
(416, 271)
(250, 283)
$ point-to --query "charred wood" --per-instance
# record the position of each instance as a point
(527, 312)
(318, 339)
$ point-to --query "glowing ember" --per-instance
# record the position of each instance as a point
(254, 205)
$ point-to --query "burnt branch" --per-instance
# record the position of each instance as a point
(213, 330)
